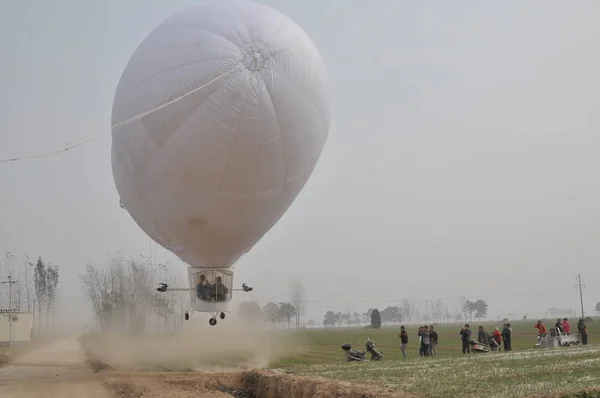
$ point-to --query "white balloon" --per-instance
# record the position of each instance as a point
(209, 174)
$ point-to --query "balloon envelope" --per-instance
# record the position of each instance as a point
(248, 114)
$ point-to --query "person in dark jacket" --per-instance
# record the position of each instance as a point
(582, 329)
(433, 335)
(421, 344)
(203, 289)
(559, 326)
(507, 336)
(403, 340)
(482, 336)
(426, 341)
(465, 336)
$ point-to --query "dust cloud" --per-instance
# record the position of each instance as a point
(227, 347)
(61, 352)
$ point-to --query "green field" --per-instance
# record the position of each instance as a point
(524, 371)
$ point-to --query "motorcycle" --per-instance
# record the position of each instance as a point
(353, 355)
(376, 355)
(477, 346)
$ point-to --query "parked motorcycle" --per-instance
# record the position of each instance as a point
(359, 356)
(376, 355)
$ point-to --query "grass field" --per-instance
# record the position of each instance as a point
(524, 371)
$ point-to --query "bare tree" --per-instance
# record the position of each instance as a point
(297, 295)
(6, 270)
(123, 295)
(286, 312)
(461, 307)
(92, 285)
(29, 288)
(407, 310)
(41, 288)
(52, 278)
(17, 288)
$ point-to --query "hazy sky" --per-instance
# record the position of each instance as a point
(463, 157)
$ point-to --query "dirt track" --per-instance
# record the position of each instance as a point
(60, 370)
(63, 369)
(57, 370)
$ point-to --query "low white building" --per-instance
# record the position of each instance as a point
(22, 324)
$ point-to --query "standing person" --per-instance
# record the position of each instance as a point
(566, 326)
(482, 336)
(498, 337)
(421, 353)
(582, 328)
(426, 341)
(465, 336)
(403, 340)
(434, 341)
(559, 326)
(507, 337)
(541, 328)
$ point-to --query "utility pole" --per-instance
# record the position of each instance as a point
(580, 285)
(10, 309)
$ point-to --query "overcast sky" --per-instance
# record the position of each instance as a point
(463, 157)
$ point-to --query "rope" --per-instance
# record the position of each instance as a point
(93, 136)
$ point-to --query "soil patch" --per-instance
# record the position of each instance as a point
(4, 360)
(272, 384)
(252, 384)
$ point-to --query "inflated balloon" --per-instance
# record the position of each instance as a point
(236, 104)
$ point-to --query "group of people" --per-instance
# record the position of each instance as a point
(207, 291)
(428, 337)
(495, 340)
(428, 341)
(563, 326)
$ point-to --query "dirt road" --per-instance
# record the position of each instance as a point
(57, 370)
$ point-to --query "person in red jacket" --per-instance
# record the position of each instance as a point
(541, 328)
(566, 326)
(497, 337)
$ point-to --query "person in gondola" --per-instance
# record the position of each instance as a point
(203, 288)
(220, 290)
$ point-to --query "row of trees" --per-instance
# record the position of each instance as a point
(122, 293)
(282, 313)
(409, 312)
(391, 315)
(478, 308)
(35, 289)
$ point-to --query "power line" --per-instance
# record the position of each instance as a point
(95, 135)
